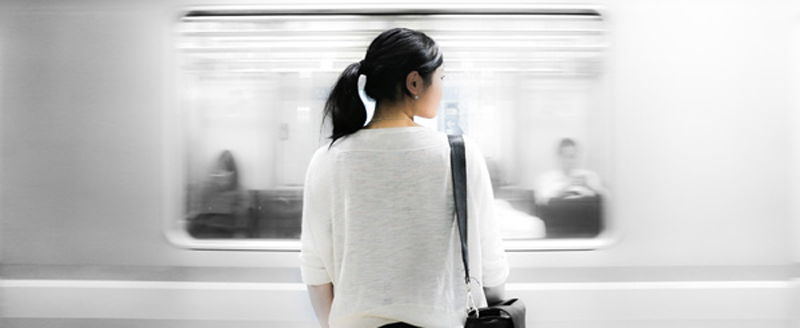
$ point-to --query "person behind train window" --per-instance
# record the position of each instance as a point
(223, 208)
(379, 239)
(569, 181)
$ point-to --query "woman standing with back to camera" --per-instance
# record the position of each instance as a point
(380, 243)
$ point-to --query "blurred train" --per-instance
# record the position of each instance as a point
(153, 155)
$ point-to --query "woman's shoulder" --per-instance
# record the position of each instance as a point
(469, 142)
(473, 149)
(320, 157)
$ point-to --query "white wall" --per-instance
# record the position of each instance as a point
(700, 91)
(796, 136)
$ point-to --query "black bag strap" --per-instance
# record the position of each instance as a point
(458, 167)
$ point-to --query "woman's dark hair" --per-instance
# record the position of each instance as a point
(564, 143)
(391, 56)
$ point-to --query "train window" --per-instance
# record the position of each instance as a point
(525, 83)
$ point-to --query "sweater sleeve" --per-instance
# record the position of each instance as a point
(314, 248)
(494, 265)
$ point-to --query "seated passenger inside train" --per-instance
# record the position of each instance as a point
(223, 209)
(569, 199)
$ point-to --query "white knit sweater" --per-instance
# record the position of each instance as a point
(378, 223)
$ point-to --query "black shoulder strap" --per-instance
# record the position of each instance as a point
(458, 167)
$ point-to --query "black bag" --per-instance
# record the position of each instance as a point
(509, 313)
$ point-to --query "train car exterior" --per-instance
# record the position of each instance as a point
(701, 120)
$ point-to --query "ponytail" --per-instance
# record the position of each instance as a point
(391, 56)
(344, 106)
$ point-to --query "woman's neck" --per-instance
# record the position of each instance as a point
(392, 116)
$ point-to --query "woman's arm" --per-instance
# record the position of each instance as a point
(494, 266)
(321, 299)
(495, 295)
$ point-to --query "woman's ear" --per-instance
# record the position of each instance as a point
(414, 83)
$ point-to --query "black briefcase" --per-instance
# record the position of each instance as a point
(508, 314)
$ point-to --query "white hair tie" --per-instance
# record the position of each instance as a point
(369, 104)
